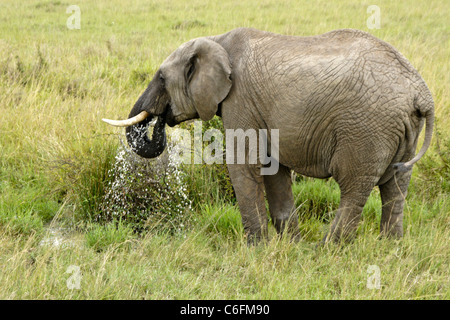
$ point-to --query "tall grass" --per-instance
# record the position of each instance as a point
(57, 162)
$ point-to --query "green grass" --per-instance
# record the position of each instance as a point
(56, 156)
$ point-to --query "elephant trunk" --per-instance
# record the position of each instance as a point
(137, 137)
(153, 102)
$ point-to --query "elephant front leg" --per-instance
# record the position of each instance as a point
(249, 188)
(281, 202)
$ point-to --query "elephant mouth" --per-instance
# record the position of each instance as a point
(169, 118)
(172, 120)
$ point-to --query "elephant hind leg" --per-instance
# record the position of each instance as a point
(357, 167)
(281, 202)
(393, 194)
(348, 215)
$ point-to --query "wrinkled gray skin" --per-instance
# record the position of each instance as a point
(347, 105)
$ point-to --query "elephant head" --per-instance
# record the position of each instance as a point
(191, 83)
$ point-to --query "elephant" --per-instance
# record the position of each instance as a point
(346, 104)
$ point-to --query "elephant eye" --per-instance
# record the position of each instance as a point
(190, 69)
(162, 79)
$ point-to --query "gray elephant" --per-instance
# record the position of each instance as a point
(347, 105)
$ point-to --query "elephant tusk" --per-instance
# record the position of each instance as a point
(128, 122)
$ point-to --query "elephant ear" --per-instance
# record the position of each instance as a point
(209, 74)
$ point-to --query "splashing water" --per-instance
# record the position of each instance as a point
(146, 192)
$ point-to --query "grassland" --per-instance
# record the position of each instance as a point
(56, 158)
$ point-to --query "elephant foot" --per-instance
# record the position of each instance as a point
(295, 236)
(341, 236)
(292, 235)
(392, 233)
(254, 238)
(288, 227)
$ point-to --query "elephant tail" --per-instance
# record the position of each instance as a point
(425, 106)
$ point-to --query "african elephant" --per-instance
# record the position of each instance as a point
(347, 105)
